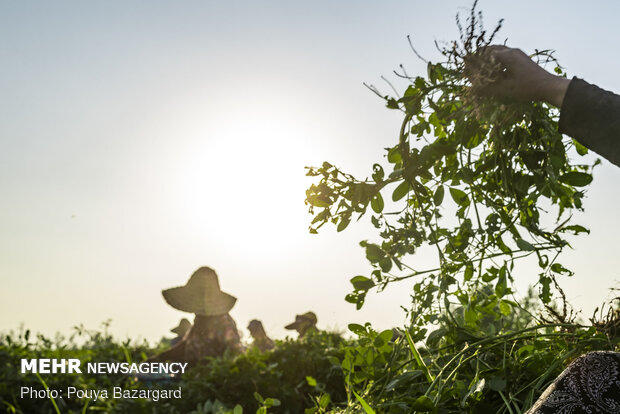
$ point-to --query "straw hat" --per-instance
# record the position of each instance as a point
(182, 328)
(308, 318)
(201, 295)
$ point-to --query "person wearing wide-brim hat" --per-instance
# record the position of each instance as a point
(214, 331)
(304, 323)
(261, 340)
(181, 329)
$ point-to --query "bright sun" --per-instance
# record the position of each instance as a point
(246, 181)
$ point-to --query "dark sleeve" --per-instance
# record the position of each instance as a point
(591, 115)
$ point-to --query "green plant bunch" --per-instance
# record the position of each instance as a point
(483, 182)
(500, 366)
(300, 374)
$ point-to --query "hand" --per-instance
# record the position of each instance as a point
(521, 80)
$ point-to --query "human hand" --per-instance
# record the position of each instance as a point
(521, 78)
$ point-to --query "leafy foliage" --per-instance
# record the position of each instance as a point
(297, 375)
(463, 370)
(86, 345)
(482, 182)
(500, 170)
(500, 364)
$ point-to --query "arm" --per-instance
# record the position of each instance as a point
(589, 114)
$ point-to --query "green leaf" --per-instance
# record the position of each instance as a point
(525, 349)
(438, 196)
(576, 229)
(505, 308)
(576, 178)
(423, 404)
(400, 191)
(545, 288)
(319, 201)
(385, 264)
(383, 338)
(471, 316)
(430, 72)
(391, 103)
(324, 400)
(394, 156)
(238, 409)
(374, 253)
(581, 150)
(459, 196)
(311, 381)
(558, 268)
(367, 408)
(524, 245)
(469, 272)
(377, 203)
(344, 222)
(362, 283)
(272, 402)
(357, 329)
(501, 286)
(377, 173)
(418, 358)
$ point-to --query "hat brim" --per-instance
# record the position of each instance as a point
(189, 300)
(180, 329)
(293, 325)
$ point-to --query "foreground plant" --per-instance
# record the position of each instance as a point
(483, 182)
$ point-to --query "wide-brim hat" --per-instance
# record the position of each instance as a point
(182, 327)
(302, 320)
(201, 295)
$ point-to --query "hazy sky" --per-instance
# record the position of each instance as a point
(141, 140)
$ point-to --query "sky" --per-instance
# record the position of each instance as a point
(141, 140)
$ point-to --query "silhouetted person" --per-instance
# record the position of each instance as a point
(214, 331)
(261, 340)
(181, 329)
(304, 323)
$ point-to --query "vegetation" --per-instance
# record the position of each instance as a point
(294, 376)
(484, 184)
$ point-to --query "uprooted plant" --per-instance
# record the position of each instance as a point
(483, 182)
(499, 169)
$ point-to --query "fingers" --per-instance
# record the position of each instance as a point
(519, 78)
(507, 56)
